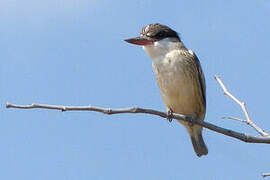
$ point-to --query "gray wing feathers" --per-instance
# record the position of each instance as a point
(200, 75)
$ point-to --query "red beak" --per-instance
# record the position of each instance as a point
(140, 41)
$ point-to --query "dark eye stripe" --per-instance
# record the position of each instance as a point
(160, 34)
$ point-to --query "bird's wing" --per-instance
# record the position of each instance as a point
(200, 75)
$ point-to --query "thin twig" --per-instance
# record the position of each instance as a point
(234, 118)
(241, 136)
(243, 106)
(265, 175)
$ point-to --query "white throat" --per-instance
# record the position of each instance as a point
(160, 49)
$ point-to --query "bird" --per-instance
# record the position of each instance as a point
(179, 76)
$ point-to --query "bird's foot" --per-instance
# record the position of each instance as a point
(169, 115)
(190, 119)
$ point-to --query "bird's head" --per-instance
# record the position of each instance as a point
(153, 33)
(157, 40)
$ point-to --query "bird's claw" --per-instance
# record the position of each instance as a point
(190, 123)
(190, 119)
(169, 115)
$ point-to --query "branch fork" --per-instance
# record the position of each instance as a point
(248, 120)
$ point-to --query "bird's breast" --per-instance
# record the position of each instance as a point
(178, 86)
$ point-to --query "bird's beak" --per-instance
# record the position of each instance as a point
(140, 41)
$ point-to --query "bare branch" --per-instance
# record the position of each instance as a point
(265, 175)
(264, 138)
(243, 106)
(241, 136)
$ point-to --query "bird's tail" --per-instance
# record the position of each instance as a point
(197, 140)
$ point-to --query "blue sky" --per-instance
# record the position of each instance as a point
(72, 53)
